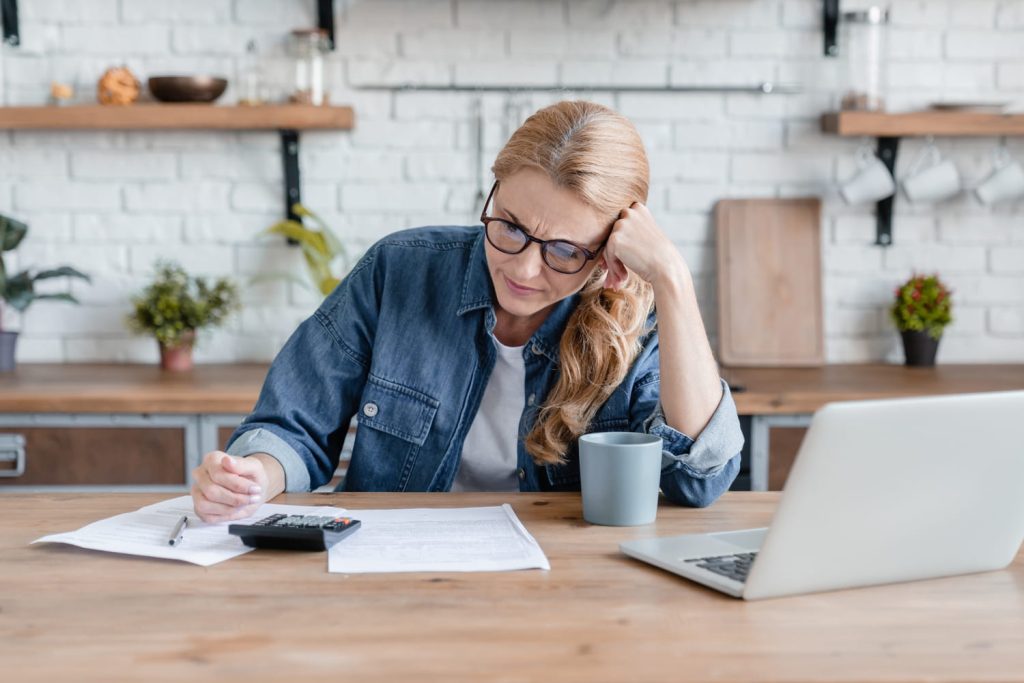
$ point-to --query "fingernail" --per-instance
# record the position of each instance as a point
(255, 490)
(254, 499)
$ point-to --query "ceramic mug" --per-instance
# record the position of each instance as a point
(620, 477)
(871, 182)
(1006, 181)
(931, 178)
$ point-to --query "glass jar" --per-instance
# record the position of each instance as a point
(252, 90)
(864, 48)
(308, 47)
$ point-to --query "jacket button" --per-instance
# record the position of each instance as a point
(536, 350)
(370, 409)
(522, 473)
(531, 399)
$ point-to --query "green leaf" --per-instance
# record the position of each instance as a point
(299, 233)
(57, 297)
(11, 233)
(63, 271)
(19, 292)
(322, 251)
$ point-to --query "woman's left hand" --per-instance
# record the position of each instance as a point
(637, 243)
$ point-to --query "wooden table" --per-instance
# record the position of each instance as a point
(71, 614)
(788, 397)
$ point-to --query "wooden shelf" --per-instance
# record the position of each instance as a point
(286, 119)
(177, 117)
(921, 123)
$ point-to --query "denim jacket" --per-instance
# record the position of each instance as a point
(405, 344)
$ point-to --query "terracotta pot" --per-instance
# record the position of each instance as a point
(8, 342)
(919, 348)
(178, 358)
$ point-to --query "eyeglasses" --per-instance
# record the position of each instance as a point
(507, 237)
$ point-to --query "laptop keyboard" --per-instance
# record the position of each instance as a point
(735, 567)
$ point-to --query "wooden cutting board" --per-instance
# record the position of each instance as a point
(769, 282)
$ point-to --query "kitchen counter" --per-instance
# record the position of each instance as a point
(124, 388)
(233, 388)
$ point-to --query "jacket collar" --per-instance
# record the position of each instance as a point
(478, 293)
(477, 290)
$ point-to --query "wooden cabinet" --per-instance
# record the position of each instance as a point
(98, 456)
(783, 447)
(127, 452)
(117, 427)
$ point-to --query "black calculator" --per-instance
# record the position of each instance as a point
(295, 532)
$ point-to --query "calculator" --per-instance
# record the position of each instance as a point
(295, 532)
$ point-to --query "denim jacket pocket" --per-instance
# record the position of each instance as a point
(618, 424)
(394, 422)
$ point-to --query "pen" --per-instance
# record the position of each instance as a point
(179, 531)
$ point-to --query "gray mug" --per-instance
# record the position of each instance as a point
(620, 477)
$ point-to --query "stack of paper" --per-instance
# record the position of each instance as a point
(437, 540)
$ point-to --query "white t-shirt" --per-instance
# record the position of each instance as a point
(489, 454)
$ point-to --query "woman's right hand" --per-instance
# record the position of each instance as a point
(226, 487)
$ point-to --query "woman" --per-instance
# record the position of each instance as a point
(474, 358)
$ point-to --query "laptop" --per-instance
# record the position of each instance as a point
(880, 492)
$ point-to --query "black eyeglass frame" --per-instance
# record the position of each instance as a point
(485, 219)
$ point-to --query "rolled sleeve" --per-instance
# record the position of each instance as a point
(697, 471)
(296, 476)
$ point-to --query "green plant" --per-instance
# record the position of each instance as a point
(19, 290)
(923, 304)
(321, 248)
(176, 304)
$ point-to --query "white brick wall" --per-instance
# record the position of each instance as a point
(111, 202)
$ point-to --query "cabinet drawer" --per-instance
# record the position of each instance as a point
(99, 456)
(783, 446)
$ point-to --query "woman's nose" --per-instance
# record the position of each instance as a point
(529, 263)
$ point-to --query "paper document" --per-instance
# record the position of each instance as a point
(145, 532)
(437, 540)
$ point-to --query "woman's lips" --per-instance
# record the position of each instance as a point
(518, 289)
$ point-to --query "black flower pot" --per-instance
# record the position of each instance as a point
(919, 348)
(8, 342)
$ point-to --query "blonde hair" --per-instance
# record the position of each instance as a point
(598, 154)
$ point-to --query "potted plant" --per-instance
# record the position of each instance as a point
(921, 311)
(19, 291)
(321, 248)
(175, 305)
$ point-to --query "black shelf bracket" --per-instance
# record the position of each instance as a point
(292, 185)
(9, 18)
(325, 18)
(887, 149)
(830, 24)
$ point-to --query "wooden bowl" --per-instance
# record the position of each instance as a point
(187, 88)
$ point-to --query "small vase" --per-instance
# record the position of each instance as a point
(178, 358)
(919, 348)
(8, 343)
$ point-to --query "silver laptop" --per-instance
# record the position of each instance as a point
(881, 492)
